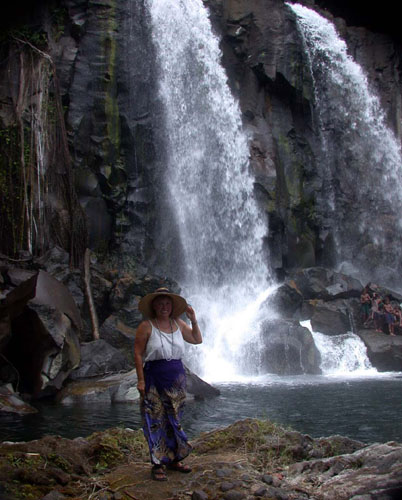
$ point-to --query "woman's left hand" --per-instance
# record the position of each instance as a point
(190, 313)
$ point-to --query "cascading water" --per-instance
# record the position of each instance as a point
(341, 354)
(361, 158)
(226, 276)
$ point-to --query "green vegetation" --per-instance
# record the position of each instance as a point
(116, 446)
(25, 33)
(262, 441)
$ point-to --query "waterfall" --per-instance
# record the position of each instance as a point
(341, 354)
(360, 158)
(226, 276)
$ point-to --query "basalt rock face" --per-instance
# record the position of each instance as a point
(106, 61)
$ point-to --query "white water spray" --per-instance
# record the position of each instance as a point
(211, 188)
(341, 355)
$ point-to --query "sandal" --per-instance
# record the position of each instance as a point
(178, 466)
(158, 473)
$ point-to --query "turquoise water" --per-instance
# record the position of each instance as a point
(367, 409)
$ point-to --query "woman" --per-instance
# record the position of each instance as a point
(158, 349)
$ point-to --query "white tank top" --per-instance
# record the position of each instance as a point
(163, 345)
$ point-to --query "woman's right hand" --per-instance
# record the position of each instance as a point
(141, 387)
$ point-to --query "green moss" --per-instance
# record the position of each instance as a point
(60, 462)
(26, 491)
(116, 446)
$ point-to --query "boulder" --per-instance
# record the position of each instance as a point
(48, 352)
(99, 358)
(122, 387)
(331, 318)
(11, 402)
(42, 344)
(119, 335)
(289, 348)
(321, 283)
(384, 351)
(372, 472)
(286, 300)
(116, 388)
(42, 288)
(17, 276)
(55, 261)
(198, 387)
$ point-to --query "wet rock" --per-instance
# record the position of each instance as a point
(119, 335)
(384, 351)
(99, 358)
(198, 387)
(11, 402)
(114, 388)
(289, 348)
(325, 284)
(331, 318)
(122, 387)
(99, 221)
(286, 300)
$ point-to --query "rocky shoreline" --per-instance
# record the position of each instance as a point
(247, 460)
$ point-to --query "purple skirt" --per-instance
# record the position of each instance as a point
(162, 409)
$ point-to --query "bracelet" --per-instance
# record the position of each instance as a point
(194, 323)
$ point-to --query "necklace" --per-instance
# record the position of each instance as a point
(171, 340)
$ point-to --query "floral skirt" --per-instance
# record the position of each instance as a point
(162, 409)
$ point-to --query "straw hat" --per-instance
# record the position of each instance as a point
(145, 304)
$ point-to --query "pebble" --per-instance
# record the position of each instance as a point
(260, 492)
(226, 486)
(53, 495)
(223, 472)
(199, 495)
(234, 495)
(267, 479)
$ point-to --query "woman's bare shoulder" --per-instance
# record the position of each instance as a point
(144, 328)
